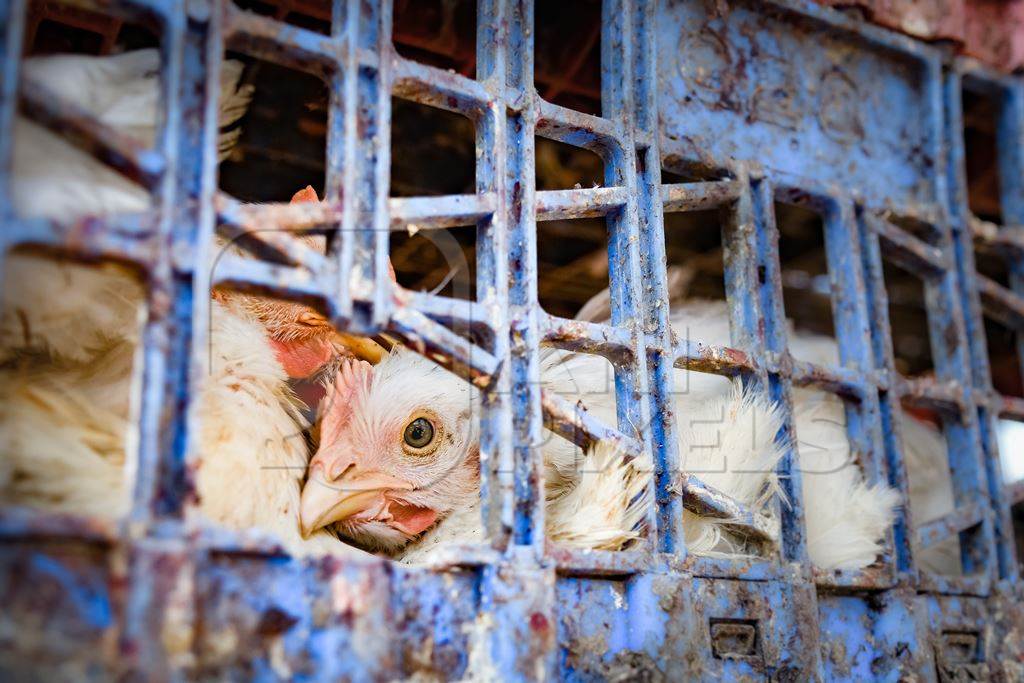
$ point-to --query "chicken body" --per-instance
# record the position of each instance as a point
(387, 493)
(69, 338)
(57, 180)
(726, 437)
(67, 433)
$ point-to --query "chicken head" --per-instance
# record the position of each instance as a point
(398, 451)
(303, 340)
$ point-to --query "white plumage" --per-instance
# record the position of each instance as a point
(54, 179)
(68, 405)
(69, 337)
(596, 500)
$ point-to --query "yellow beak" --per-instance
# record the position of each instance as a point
(325, 503)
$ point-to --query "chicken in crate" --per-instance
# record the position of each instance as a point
(481, 341)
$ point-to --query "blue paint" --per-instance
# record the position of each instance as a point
(776, 101)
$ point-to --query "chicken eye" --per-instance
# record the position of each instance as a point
(419, 433)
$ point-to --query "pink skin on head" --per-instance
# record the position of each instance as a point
(341, 473)
(364, 480)
(303, 358)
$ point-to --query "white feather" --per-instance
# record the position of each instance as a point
(67, 426)
(605, 508)
(54, 179)
(252, 452)
(69, 337)
(727, 438)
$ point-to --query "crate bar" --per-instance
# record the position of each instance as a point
(700, 196)
(845, 382)
(597, 202)
(342, 150)
(443, 346)
(976, 584)
(623, 163)
(12, 31)
(720, 360)
(953, 364)
(707, 501)
(271, 244)
(159, 483)
(741, 251)
(439, 88)
(962, 233)
(516, 593)
(1001, 303)
(572, 422)
(890, 407)
(527, 419)
(20, 523)
(1009, 406)
(600, 135)
(157, 572)
(375, 86)
(496, 453)
(273, 41)
(448, 211)
(125, 237)
(853, 329)
(1010, 134)
(609, 341)
(576, 562)
(738, 568)
(960, 520)
(768, 294)
(237, 272)
(948, 398)
(469, 314)
(905, 250)
(455, 210)
(121, 152)
(282, 216)
(996, 238)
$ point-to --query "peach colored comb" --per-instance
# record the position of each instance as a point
(305, 195)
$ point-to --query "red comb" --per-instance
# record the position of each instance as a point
(305, 195)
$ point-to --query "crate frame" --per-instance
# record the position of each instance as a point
(536, 596)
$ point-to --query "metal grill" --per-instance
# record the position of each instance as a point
(773, 102)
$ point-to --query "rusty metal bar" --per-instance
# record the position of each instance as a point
(702, 499)
(719, 360)
(699, 196)
(273, 41)
(908, 251)
(597, 202)
(444, 347)
(838, 380)
(125, 237)
(432, 213)
(1001, 303)
(119, 151)
(961, 519)
(438, 88)
(599, 135)
(574, 423)
(576, 335)
(948, 398)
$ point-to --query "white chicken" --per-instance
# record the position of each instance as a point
(397, 464)
(69, 337)
(399, 456)
(54, 179)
